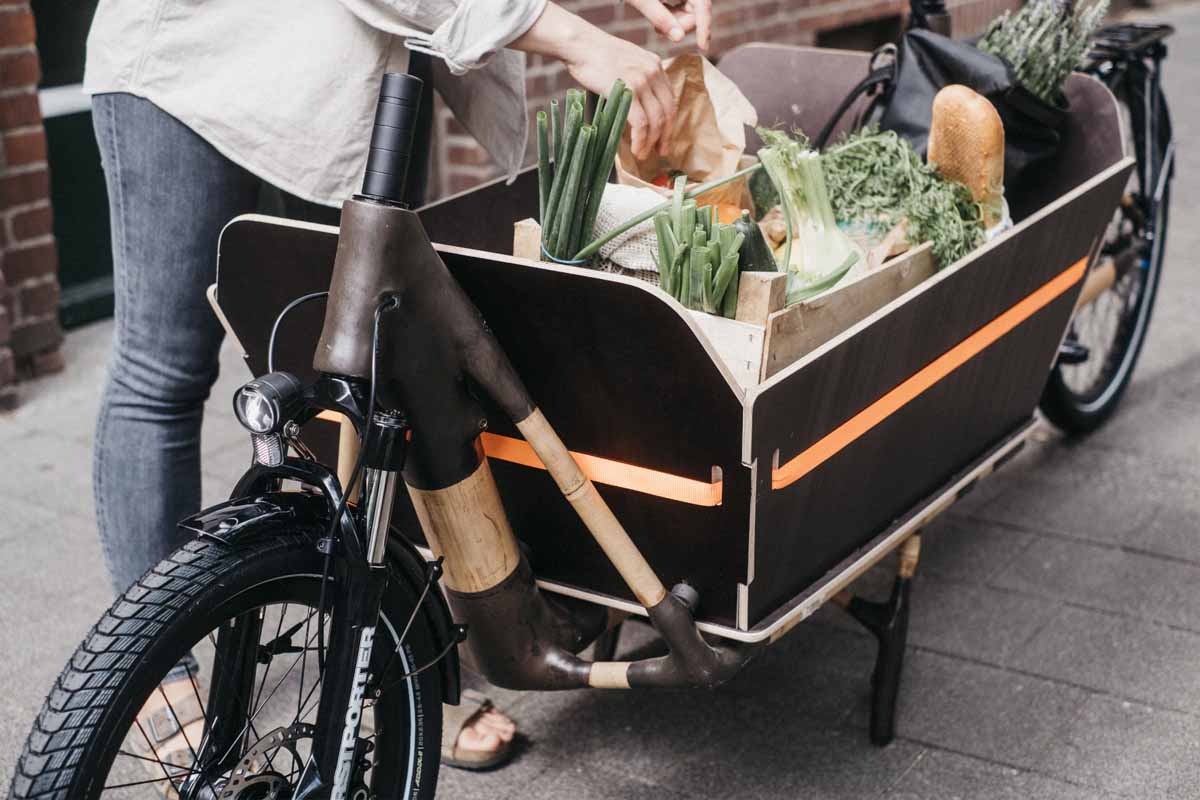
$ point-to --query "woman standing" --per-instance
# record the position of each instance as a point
(199, 107)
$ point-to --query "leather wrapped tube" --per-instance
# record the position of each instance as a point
(433, 345)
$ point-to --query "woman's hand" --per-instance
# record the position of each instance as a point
(595, 59)
(596, 64)
(679, 19)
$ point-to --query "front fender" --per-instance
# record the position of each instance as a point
(242, 519)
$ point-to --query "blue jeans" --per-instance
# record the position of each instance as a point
(170, 193)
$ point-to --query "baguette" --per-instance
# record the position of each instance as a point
(966, 142)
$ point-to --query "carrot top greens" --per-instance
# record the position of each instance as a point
(876, 175)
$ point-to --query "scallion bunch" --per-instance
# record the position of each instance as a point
(575, 157)
(697, 256)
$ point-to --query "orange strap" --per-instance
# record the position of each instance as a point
(600, 470)
(611, 473)
(833, 442)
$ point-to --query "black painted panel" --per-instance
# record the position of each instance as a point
(804, 529)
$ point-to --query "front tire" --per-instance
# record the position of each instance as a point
(83, 742)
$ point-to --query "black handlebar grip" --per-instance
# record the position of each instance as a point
(392, 137)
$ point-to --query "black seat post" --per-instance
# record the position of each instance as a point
(930, 15)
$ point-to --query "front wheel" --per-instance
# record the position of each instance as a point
(137, 711)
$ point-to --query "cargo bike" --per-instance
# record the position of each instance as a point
(503, 458)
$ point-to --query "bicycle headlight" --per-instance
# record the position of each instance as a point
(264, 404)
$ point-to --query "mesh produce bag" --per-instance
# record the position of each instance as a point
(634, 251)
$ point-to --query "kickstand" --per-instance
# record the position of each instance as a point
(889, 623)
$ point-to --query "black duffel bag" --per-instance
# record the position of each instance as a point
(902, 94)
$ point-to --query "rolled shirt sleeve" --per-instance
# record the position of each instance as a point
(466, 34)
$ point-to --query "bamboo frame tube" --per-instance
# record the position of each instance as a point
(910, 554)
(347, 455)
(467, 525)
(609, 675)
(1097, 282)
(592, 510)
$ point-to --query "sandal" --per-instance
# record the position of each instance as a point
(455, 719)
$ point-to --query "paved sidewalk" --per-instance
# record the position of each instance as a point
(1054, 649)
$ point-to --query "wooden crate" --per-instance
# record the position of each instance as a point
(766, 335)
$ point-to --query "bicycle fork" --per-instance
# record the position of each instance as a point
(338, 752)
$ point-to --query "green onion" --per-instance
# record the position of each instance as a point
(569, 200)
(616, 126)
(699, 261)
(557, 131)
(570, 133)
(544, 177)
(560, 230)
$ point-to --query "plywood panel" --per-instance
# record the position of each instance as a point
(800, 329)
(805, 528)
(615, 366)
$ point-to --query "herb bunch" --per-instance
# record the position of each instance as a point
(1044, 41)
(876, 175)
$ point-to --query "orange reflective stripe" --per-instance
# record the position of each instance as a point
(611, 473)
(906, 392)
(600, 470)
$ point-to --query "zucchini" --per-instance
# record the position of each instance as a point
(755, 255)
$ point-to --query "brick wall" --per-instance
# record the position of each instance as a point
(29, 331)
(459, 164)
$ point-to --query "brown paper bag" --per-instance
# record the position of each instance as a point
(707, 139)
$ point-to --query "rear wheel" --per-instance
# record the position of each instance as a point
(134, 712)
(1106, 335)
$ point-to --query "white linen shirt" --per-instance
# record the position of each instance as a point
(288, 89)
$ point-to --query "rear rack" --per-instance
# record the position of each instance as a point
(1127, 38)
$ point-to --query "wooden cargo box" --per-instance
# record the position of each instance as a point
(750, 482)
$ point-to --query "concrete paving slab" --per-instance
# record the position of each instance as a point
(1100, 576)
(984, 711)
(47, 470)
(975, 622)
(772, 762)
(969, 550)
(1128, 658)
(1106, 496)
(581, 782)
(1125, 747)
(940, 775)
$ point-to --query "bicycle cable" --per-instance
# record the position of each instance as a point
(299, 301)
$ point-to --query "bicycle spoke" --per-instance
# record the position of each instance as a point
(187, 739)
(270, 661)
(154, 750)
(164, 764)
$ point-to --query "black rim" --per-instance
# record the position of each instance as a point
(1113, 326)
(284, 697)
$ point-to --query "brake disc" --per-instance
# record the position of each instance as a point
(249, 781)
